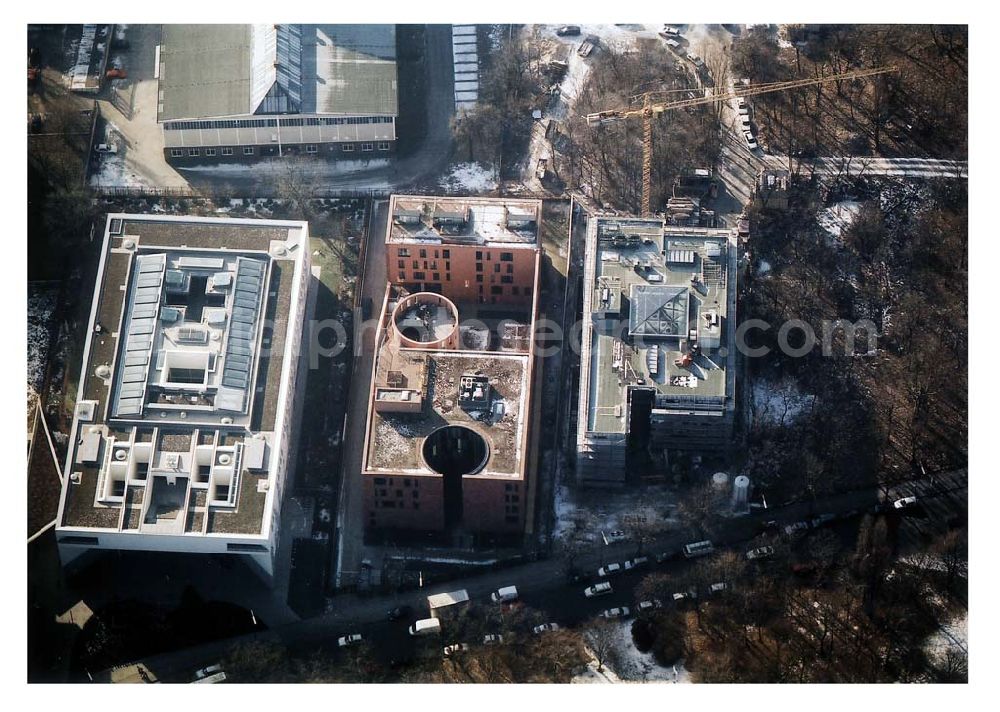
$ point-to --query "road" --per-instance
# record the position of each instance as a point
(428, 161)
(874, 166)
(542, 585)
(350, 522)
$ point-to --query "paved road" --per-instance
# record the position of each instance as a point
(350, 523)
(874, 166)
(542, 585)
(428, 161)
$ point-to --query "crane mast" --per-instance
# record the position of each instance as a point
(649, 109)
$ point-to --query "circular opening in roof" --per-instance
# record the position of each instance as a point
(456, 450)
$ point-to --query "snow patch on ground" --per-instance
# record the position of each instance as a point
(953, 636)
(629, 664)
(581, 516)
(779, 403)
(838, 217)
(471, 178)
(41, 306)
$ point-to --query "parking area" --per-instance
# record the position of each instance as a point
(128, 109)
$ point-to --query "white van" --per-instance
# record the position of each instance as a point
(426, 626)
(505, 594)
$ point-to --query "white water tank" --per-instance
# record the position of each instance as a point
(720, 481)
(741, 494)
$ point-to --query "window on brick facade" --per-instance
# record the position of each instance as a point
(419, 276)
(479, 278)
(507, 279)
(404, 252)
(496, 289)
(506, 256)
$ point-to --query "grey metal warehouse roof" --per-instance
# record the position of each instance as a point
(220, 71)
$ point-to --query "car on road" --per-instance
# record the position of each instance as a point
(614, 537)
(796, 528)
(822, 519)
(345, 641)
(671, 31)
(665, 556)
(399, 613)
(568, 31)
(106, 148)
(207, 671)
(904, 503)
(588, 46)
(504, 595)
(492, 639)
(598, 589)
(744, 122)
(751, 141)
(761, 552)
(609, 570)
(636, 563)
(671, 42)
(454, 648)
(698, 548)
(545, 628)
(612, 613)
(650, 605)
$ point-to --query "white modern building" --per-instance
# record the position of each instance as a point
(181, 436)
(658, 363)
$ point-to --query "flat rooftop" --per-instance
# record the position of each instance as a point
(472, 221)
(185, 375)
(661, 302)
(396, 438)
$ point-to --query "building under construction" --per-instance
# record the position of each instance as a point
(657, 367)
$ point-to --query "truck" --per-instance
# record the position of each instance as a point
(426, 626)
(442, 604)
(505, 594)
(698, 548)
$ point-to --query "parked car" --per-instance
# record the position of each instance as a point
(609, 570)
(612, 613)
(796, 528)
(346, 641)
(106, 148)
(545, 628)
(116, 73)
(614, 537)
(492, 639)
(684, 596)
(650, 605)
(504, 595)
(598, 589)
(399, 613)
(568, 31)
(425, 626)
(751, 141)
(717, 587)
(665, 556)
(636, 563)
(207, 671)
(671, 31)
(822, 519)
(904, 503)
(455, 648)
(671, 43)
(761, 552)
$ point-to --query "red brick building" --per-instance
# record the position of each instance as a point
(448, 436)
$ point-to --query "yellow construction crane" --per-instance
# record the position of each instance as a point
(649, 109)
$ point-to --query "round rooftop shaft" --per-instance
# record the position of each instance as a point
(456, 450)
(426, 321)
